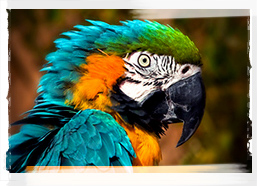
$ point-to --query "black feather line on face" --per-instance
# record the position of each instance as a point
(148, 83)
(134, 114)
(131, 80)
(158, 83)
(128, 64)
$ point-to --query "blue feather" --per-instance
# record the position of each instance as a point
(34, 130)
(118, 150)
(95, 142)
(108, 144)
(98, 23)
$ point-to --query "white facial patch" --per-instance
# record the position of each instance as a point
(148, 72)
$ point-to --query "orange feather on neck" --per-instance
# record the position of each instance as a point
(146, 146)
(99, 75)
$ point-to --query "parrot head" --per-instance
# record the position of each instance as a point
(163, 91)
(146, 72)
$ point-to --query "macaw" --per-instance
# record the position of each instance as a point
(108, 95)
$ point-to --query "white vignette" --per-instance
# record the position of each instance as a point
(120, 178)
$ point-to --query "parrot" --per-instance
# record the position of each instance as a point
(108, 95)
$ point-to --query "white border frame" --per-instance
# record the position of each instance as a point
(245, 179)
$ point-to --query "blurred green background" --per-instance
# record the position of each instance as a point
(223, 42)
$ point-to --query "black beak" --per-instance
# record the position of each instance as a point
(187, 98)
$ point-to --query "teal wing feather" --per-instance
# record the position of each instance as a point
(91, 137)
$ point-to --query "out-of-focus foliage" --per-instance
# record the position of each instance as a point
(223, 42)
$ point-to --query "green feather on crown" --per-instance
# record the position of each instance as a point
(148, 36)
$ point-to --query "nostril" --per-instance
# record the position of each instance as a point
(185, 69)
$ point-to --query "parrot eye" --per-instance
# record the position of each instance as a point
(144, 60)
